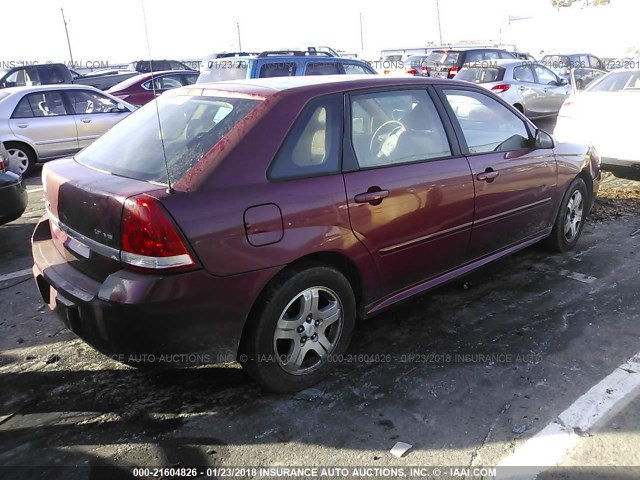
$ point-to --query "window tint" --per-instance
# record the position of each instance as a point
(323, 68)
(390, 128)
(472, 57)
(269, 70)
(51, 74)
(481, 75)
(191, 127)
(545, 76)
(523, 74)
(43, 104)
(491, 55)
(313, 144)
(487, 125)
(170, 81)
(190, 78)
(22, 77)
(87, 102)
(352, 69)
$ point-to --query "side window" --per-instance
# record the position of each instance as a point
(506, 55)
(50, 75)
(390, 128)
(268, 70)
(545, 76)
(487, 125)
(473, 57)
(87, 102)
(170, 81)
(190, 78)
(491, 55)
(352, 69)
(594, 62)
(323, 68)
(15, 79)
(173, 65)
(582, 62)
(312, 147)
(42, 104)
(523, 74)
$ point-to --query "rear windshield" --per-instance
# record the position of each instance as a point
(416, 60)
(481, 75)
(191, 126)
(224, 69)
(616, 82)
(450, 58)
(435, 56)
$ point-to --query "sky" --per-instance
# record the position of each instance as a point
(116, 32)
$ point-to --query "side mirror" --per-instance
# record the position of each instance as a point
(121, 108)
(544, 140)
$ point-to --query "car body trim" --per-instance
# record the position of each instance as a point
(431, 236)
(512, 211)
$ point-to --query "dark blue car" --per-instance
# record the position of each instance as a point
(281, 63)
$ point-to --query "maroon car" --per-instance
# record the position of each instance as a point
(141, 89)
(272, 213)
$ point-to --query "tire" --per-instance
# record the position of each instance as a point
(21, 155)
(288, 342)
(570, 218)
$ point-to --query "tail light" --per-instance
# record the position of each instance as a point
(425, 71)
(453, 71)
(412, 71)
(387, 72)
(503, 87)
(150, 239)
(2, 165)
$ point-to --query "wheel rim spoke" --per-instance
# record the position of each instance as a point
(330, 314)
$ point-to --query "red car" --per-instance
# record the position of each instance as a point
(271, 213)
(141, 89)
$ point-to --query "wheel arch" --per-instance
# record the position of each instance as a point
(23, 143)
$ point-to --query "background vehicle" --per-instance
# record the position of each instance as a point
(32, 75)
(284, 63)
(415, 65)
(561, 64)
(604, 115)
(141, 89)
(531, 88)
(451, 61)
(13, 195)
(148, 66)
(51, 121)
(238, 257)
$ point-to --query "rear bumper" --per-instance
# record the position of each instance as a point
(137, 318)
(609, 163)
(13, 197)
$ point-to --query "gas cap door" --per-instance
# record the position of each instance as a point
(263, 225)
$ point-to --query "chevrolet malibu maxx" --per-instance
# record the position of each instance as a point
(266, 216)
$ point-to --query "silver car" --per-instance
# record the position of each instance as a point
(529, 86)
(52, 121)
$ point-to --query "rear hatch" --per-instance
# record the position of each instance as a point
(445, 65)
(105, 205)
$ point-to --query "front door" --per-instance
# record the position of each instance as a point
(410, 195)
(514, 181)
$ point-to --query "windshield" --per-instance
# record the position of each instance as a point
(616, 82)
(224, 69)
(481, 75)
(191, 126)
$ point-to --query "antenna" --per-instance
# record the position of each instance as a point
(155, 100)
(66, 30)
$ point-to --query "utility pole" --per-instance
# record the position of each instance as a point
(439, 24)
(239, 39)
(67, 32)
(361, 35)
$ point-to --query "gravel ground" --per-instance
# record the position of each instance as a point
(617, 198)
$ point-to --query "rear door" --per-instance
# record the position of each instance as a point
(94, 114)
(553, 94)
(514, 182)
(44, 119)
(410, 193)
(528, 89)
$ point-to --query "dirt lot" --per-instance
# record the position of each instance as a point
(465, 374)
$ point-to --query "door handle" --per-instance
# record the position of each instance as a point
(86, 120)
(373, 197)
(23, 125)
(522, 89)
(488, 176)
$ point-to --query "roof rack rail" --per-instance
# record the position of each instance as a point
(234, 54)
(311, 51)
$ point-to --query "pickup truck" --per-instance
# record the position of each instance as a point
(54, 73)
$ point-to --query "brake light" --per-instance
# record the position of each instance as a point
(387, 72)
(412, 71)
(503, 87)
(150, 239)
(453, 71)
(2, 165)
(425, 71)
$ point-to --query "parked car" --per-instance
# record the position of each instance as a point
(13, 195)
(561, 64)
(604, 114)
(531, 88)
(282, 63)
(29, 75)
(415, 65)
(450, 62)
(148, 66)
(523, 56)
(141, 89)
(281, 209)
(52, 121)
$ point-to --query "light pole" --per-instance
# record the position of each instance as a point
(361, 35)
(239, 39)
(67, 32)
(439, 24)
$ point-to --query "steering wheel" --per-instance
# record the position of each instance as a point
(386, 146)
